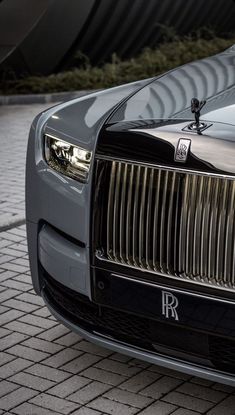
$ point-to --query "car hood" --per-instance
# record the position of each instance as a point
(169, 96)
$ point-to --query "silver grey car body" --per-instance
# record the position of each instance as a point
(147, 120)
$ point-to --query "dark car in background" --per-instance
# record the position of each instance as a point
(130, 201)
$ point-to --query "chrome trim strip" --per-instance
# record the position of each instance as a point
(175, 290)
(172, 277)
(168, 168)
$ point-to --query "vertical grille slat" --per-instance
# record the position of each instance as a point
(183, 225)
(155, 222)
(169, 222)
(129, 216)
(142, 226)
(149, 221)
(116, 213)
(162, 224)
(123, 213)
(136, 217)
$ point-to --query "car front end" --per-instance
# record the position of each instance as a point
(131, 218)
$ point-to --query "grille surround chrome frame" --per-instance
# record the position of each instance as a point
(126, 200)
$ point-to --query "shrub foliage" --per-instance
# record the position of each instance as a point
(149, 63)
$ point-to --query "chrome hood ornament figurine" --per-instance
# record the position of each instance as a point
(196, 107)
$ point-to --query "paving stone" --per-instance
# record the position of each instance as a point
(86, 411)
(47, 372)
(121, 357)
(223, 388)
(5, 258)
(54, 333)
(42, 312)
(42, 345)
(69, 386)
(3, 309)
(24, 328)
(38, 321)
(20, 305)
(62, 357)
(31, 298)
(118, 367)
(24, 278)
(55, 404)
(13, 367)
(10, 315)
(20, 247)
(158, 408)
(168, 372)
(184, 412)
(162, 386)
(21, 261)
(99, 374)
(11, 339)
(128, 398)
(6, 387)
(69, 339)
(16, 397)
(89, 392)
(31, 381)
(13, 267)
(112, 408)
(7, 294)
(188, 402)
(80, 363)
(31, 409)
(6, 275)
(89, 347)
(4, 332)
(5, 358)
(16, 285)
(200, 381)
(12, 252)
(201, 392)
(22, 351)
(11, 237)
(140, 381)
(227, 407)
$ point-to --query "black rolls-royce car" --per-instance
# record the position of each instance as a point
(130, 202)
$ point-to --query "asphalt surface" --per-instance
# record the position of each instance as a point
(46, 369)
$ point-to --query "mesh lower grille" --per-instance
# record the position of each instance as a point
(174, 223)
(138, 330)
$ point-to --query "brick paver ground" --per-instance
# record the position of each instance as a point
(45, 369)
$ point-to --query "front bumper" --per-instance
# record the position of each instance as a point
(94, 333)
(125, 326)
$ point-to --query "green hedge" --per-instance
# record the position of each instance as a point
(149, 63)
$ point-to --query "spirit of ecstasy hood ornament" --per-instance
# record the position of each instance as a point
(196, 107)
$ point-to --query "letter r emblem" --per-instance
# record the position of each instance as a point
(169, 305)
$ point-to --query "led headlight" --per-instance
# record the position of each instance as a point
(67, 159)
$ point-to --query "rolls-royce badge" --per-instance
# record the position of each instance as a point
(182, 149)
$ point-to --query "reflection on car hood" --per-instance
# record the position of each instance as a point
(169, 96)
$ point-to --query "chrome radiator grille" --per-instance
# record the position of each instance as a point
(170, 222)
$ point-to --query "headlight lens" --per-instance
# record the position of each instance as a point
(68, 159)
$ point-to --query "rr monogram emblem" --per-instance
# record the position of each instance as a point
(169, 305)
(182, 150)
